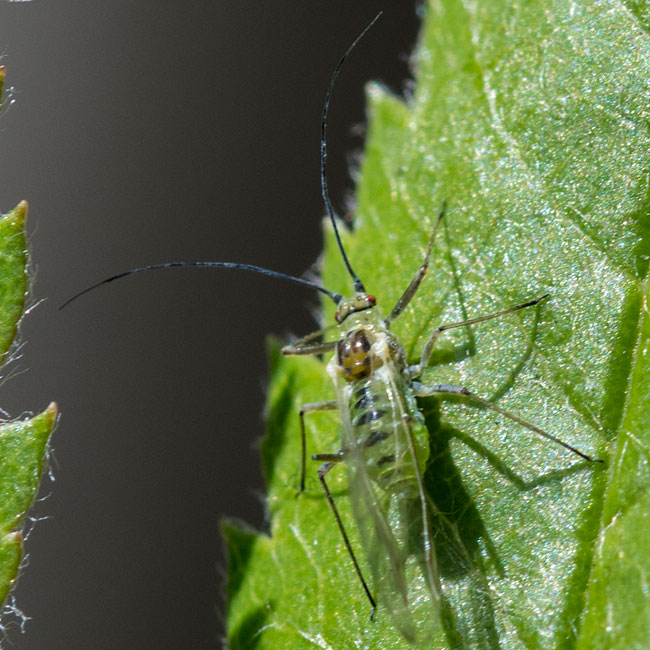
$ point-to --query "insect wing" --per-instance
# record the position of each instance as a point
(395, 539)
(385, 558)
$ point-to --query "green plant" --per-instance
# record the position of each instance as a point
(531, 119)
(22, 442)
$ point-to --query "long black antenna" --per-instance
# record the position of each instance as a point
(336, 297)
(358, 285)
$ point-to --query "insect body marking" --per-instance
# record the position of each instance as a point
(383, 417)
(365, 344)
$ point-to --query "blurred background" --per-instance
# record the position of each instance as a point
(143, 132)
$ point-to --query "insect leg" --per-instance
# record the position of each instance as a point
(311, 407)
(411, 290)
(323, 470)
(425, 391)
(306, 344)
(416, 370)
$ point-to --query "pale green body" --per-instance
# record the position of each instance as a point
(385, 444)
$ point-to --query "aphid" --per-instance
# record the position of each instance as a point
(384, 439)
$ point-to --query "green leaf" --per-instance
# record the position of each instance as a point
(13, 277)
(22, 450)
(22, 442)
(531, 119)
(618, 613)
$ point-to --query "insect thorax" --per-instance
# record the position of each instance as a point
(365, 345)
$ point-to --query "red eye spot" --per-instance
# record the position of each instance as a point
(336, 317)
(372, 300)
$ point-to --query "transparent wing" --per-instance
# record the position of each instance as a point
(394, 525)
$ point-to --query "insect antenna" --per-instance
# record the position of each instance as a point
(336, 297)
(358, 285)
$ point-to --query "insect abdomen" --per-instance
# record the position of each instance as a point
(381, 415)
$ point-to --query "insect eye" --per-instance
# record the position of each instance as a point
(372, 300)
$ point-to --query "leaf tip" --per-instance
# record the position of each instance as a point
(51, 412)
(21, 210)
(18, 215)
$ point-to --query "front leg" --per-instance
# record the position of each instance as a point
(307, 345)
(447, 389)
(414, 285)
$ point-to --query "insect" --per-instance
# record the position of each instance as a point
(384, 439)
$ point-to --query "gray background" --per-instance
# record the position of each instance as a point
(144, 132)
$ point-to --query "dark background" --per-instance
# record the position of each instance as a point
(144, 132)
